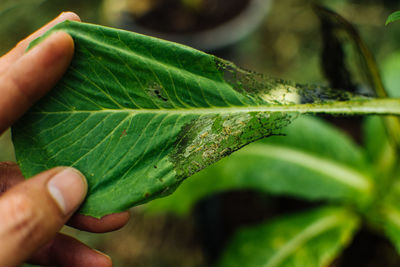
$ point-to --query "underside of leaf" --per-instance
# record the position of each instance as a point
(137, 115)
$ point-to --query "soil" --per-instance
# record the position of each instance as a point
(172, 16)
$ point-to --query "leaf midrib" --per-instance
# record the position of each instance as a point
(370, 106)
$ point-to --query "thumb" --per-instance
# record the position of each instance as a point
(32, 212)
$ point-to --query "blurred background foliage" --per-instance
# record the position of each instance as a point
(287, 45)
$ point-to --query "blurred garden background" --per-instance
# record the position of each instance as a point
(285, 43)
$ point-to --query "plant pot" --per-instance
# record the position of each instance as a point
(212, 25)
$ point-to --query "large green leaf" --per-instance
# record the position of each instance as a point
(314, 161)
(137, 115)
(313, 238)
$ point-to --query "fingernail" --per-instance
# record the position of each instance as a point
(62, 15)
(68, 188)
(68, 15)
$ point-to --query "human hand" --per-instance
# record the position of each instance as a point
(33, 211)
